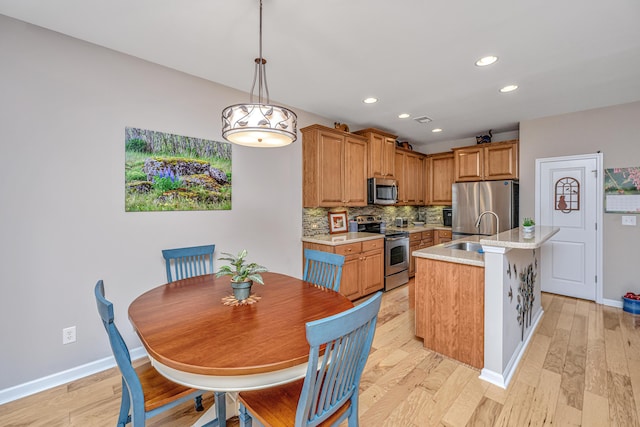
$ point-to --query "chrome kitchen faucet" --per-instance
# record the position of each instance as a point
(492, 213)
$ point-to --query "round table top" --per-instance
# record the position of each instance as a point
(184, 325)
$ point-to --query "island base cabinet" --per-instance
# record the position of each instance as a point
(449, 309)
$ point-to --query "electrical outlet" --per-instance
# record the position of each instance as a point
(69, 335)
(628, 220)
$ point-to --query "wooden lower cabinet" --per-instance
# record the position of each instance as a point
(417, 241)
(449, 309)
(442, 236)
(363, 270)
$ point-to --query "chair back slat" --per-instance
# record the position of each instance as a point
(333, 378)
(183, 263)
(323, 269)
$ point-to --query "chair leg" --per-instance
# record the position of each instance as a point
(353, 412)
(125, 405)
(245, 418)
(198, 403)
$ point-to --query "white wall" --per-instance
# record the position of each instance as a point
(64, 105)
(614, 131)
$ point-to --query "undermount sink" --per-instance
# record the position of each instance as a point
(466, 246)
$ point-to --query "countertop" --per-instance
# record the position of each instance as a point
(513, 238)
(342, 238)
(442, 253)
(516, 239)
(345, 238)
(418, 228)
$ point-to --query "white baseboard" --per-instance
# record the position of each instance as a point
(22, 390)
(612, 302)
(502, 379)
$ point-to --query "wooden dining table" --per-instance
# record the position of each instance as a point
(194, 339)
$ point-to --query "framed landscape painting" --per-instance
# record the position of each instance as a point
(167, 172)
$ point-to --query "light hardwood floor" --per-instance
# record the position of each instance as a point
(582, 367)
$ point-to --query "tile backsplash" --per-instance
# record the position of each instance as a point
(315, 221)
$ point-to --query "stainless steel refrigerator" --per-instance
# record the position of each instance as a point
(470, 199)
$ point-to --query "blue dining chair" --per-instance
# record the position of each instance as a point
(145, 393)
(328, 394)
(183, 263)
(323, 268)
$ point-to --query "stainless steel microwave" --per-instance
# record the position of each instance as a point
(382, 191)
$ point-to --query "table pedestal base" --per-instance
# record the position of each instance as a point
(212, 417)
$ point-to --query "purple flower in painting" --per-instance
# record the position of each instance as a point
(166, 179)
(166, 173)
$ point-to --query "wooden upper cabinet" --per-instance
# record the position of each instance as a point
(399, 167)
(409, 167)
(414, 177)
(486, 162)
(355, 171)
(382, 148)
(441, 176)
(334, 168)
(468, 163)
(501, 160)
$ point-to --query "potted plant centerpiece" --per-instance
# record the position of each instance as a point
(242, 273)
(528, 225)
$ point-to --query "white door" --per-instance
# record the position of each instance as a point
(568, 195)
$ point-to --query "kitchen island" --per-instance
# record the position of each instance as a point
(480, 306)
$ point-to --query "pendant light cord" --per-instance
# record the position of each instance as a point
(260, 71)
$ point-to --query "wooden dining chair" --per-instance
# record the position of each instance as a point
(328, 394)
(323, 268)
(183, 263)
(145, 393)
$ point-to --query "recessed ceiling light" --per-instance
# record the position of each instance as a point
(370, 100)
(436, 130)
(404, 116)
(509, 88)
(487, 60)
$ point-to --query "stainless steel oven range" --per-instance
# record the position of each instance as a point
(396, 250)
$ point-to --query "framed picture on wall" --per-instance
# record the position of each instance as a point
(337, 222)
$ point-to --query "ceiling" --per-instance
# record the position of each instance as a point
(415, 56)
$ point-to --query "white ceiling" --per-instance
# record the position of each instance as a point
(416, 56)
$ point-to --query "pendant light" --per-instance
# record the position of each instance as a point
(259, 124)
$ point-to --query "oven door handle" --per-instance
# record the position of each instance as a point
(393, 239)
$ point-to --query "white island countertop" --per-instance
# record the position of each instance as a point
(516, 239)
(513, 239)
(442, 252)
